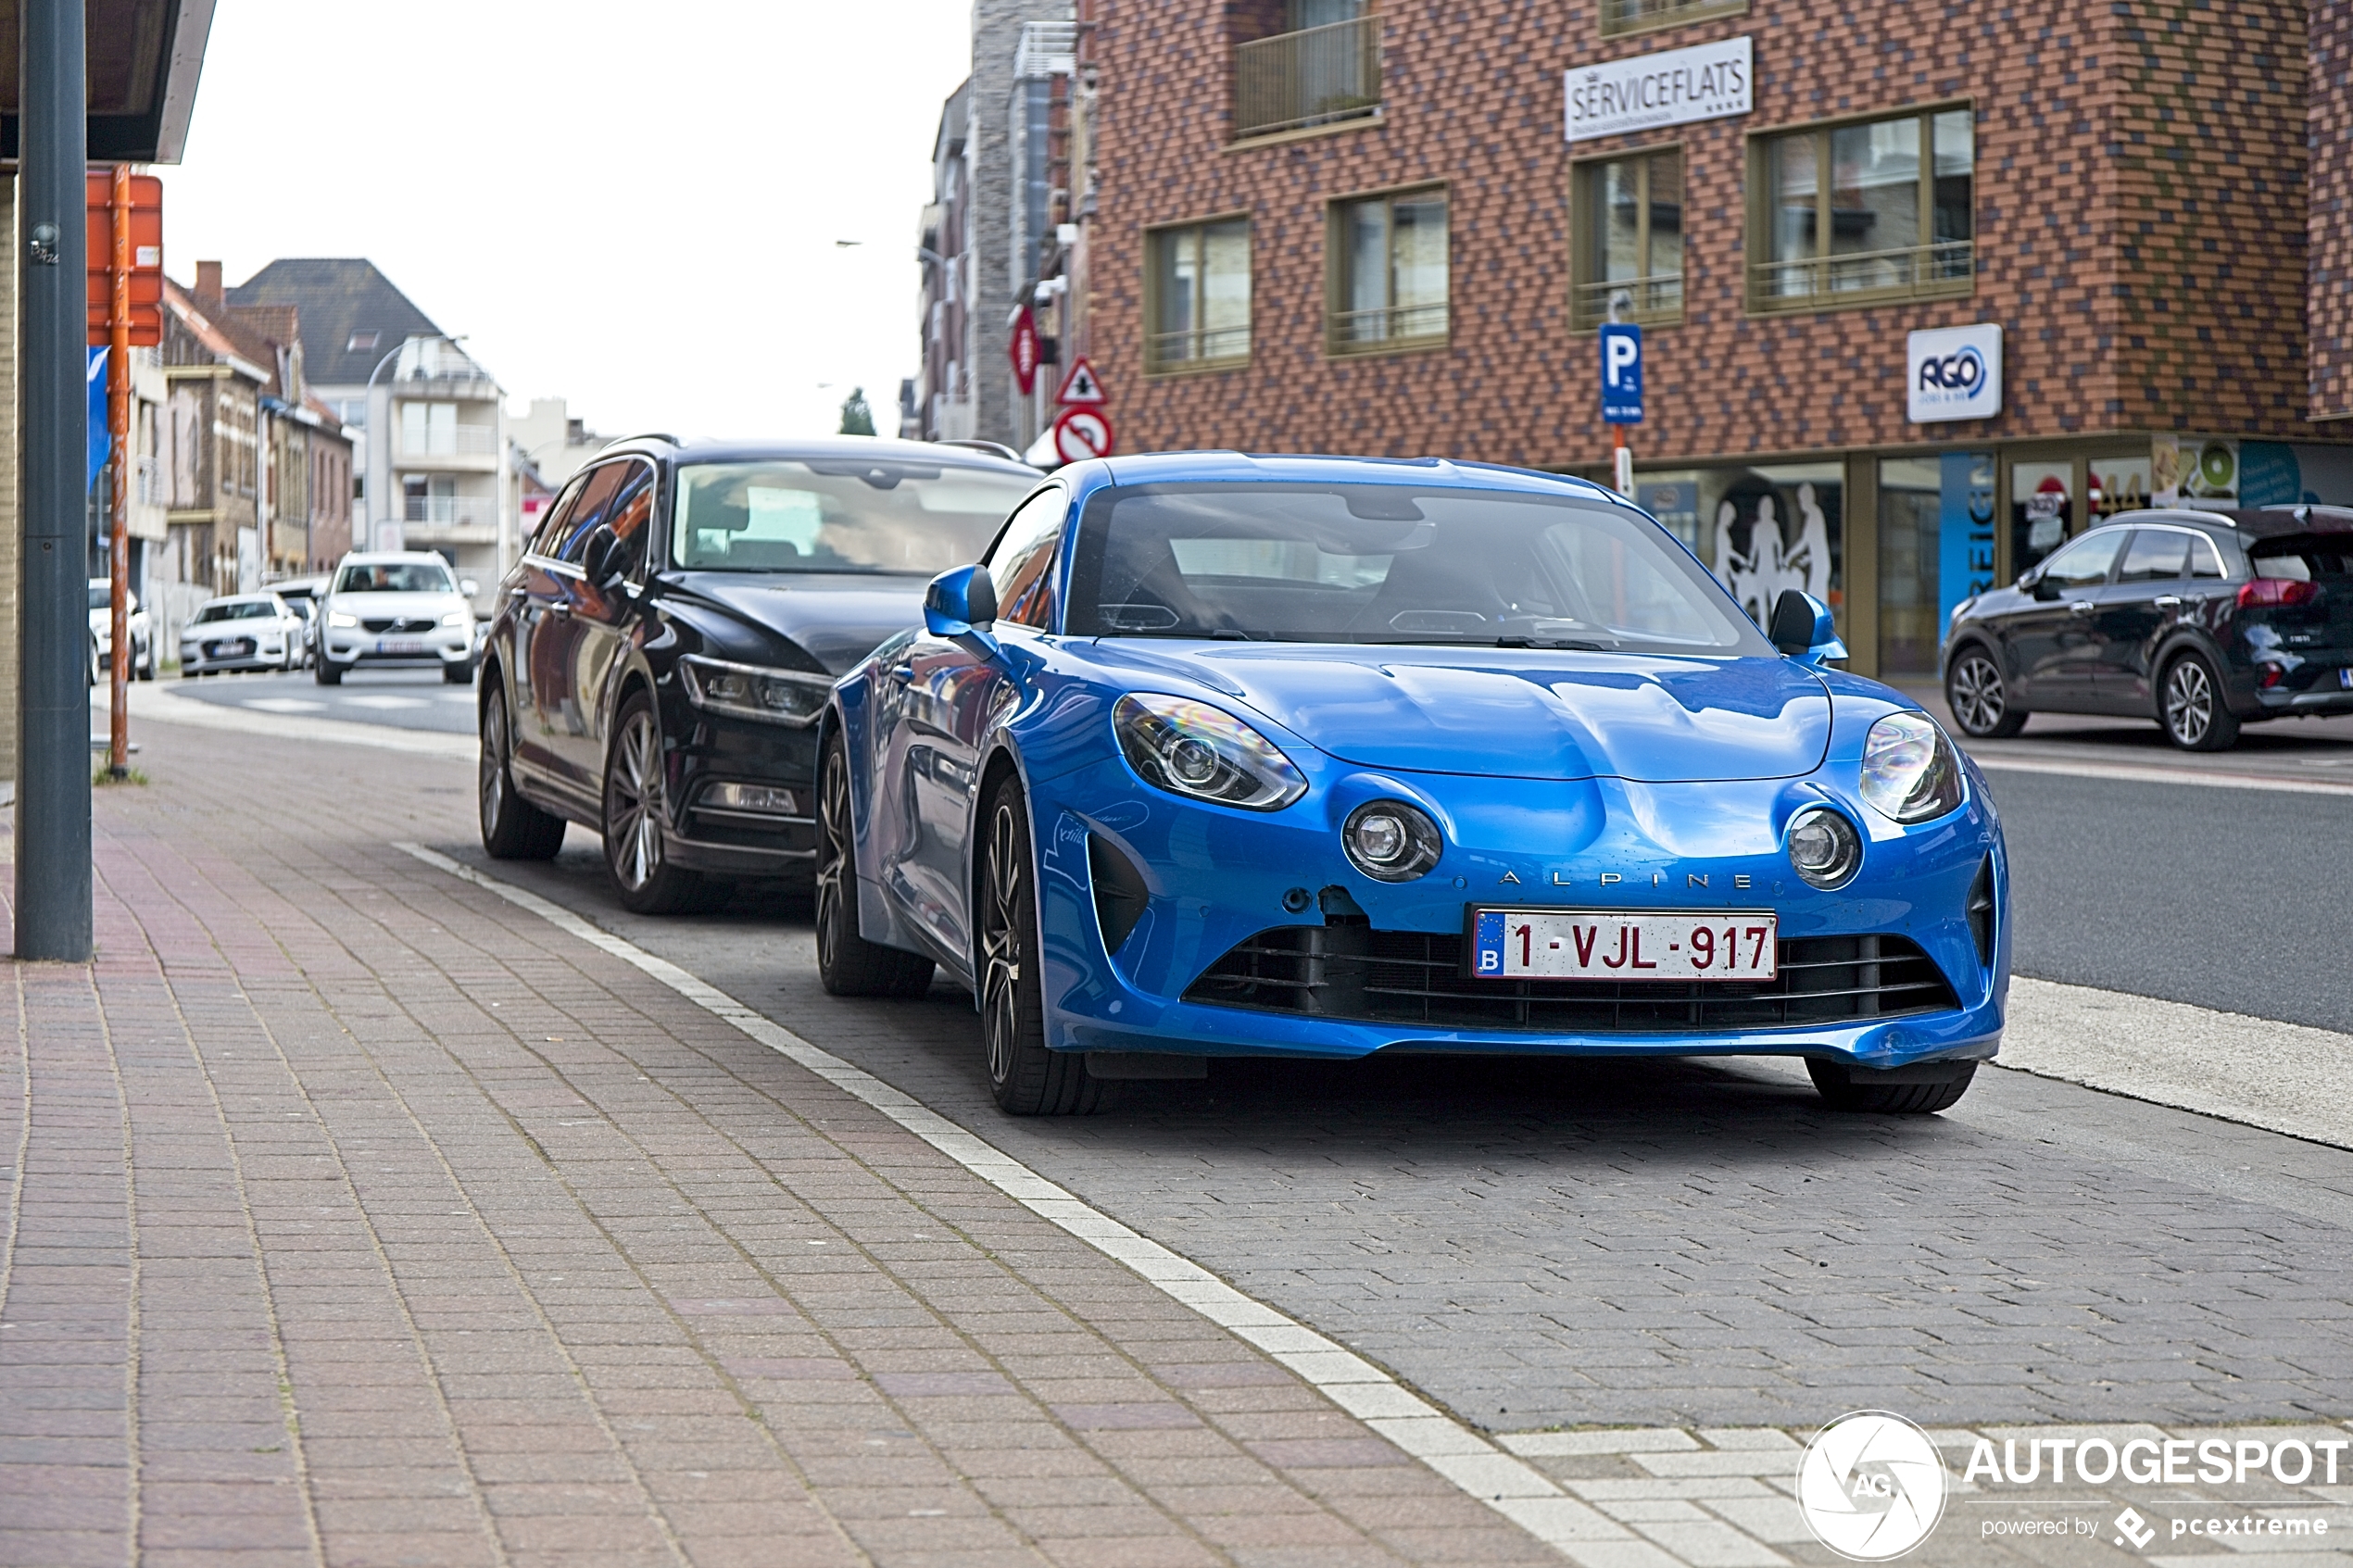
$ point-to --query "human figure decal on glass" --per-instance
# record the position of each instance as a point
(1755, 558)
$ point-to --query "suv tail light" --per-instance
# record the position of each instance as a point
(2277, 591)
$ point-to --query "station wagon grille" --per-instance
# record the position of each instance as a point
(380, 624)
(1353, 973)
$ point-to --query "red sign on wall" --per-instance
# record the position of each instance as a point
(1021, 348)
(146, 258)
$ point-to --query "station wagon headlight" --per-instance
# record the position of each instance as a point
(749, 691)
(337, 618)
(457, 618)
(1191, 748)
(1824, 848)
(1910, 772)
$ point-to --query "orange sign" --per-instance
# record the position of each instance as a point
(146, 258)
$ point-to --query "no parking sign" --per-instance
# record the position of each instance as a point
(1081, 434)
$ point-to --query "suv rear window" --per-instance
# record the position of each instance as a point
(2303, 557)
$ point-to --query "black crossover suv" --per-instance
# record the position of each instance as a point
(661, 654)
(2202, 620)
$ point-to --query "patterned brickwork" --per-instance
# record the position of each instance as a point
(2138, 210)
(2329, 223)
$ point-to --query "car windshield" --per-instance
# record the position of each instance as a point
(1392, 564)
(845, 516)
(395, 577)
(242, 610)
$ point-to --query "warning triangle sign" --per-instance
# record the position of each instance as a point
(1081, 387)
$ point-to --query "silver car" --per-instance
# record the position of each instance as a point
(241, 631)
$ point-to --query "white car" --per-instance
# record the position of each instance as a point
(143, 639)
(395, 606)
(240, 631)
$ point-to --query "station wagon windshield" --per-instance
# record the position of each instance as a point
(1390, 564)
(846, 516)
(395, 577)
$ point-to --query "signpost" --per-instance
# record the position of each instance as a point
(1080, 388)
(123, 222)
(1023, 349)
(1621, 346)
(1081, 434)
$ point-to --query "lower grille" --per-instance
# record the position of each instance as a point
(1348, 970)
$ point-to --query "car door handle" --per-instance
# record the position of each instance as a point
(559, 608)
(519, 592)
(2080, 606)
(902, 673)
(2167, 601)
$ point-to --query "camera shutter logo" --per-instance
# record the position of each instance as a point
(1870, 1485)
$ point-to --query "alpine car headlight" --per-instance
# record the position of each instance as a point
(1824, 848)
(1194, 749)
(1909, 771)
(749, 691)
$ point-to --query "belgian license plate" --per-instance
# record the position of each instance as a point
(1613, 944)
(394, 645)
(231, 650)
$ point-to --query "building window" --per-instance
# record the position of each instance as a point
(1641, 16)
(1854, 214)
(1388, 273)
(362, 342)
(1199, 289)
(1628, 232)
(1324, 68)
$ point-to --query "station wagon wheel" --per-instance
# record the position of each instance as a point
(1025, 1078)
(849, 965)
(2195, 715)
(637, 860)
(512, 828)
(1979, 697)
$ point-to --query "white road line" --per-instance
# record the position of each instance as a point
(153, 703)
(1512, 1488)
(2126, 773)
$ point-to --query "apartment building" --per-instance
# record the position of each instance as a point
(1394, 229)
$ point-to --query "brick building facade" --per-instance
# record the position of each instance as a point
(1324, 225)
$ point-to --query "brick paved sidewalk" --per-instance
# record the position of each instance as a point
(356, 1218)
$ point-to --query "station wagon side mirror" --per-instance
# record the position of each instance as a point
(1804, 628)
(961, 605)
(467, 586)
(597, 557)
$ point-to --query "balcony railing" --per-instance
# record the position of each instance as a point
(1198, 347)
(1632, 16)
(1395, 326)
(467, 440)
(1814, 283)
(1297, 80)
(450, 510)
(1650, 302)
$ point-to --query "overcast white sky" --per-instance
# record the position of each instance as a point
(633, 207)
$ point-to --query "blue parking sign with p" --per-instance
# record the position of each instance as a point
(1621, 375)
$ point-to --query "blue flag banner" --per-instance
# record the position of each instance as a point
(99, 440)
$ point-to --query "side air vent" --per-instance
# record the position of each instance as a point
(1120, 892)
(1980, 912)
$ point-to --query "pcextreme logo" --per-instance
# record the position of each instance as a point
(1870, 1485)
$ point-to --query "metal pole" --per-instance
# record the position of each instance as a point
(119, 426)
(53, 919)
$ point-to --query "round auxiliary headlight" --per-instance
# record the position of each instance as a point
(1824, 847)
(1391, 841)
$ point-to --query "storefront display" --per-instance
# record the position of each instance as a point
(2039, 510)
(1935, 549)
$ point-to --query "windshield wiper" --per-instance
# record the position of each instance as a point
(1577, 645)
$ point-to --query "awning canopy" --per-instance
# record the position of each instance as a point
(144, 59)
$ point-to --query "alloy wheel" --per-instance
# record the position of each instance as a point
(1979, 701)
(632, 803)
(492, 783)
(833, 853)
(2189, 702)
(1000, 944)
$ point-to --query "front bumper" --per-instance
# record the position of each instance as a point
(717, 748)
(193, 660)
(1215, 877)
(451, 647)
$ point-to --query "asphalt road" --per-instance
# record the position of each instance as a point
(408, 699)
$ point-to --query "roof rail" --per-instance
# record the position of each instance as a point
(994, 448)
(2223, 518)
(641, 435)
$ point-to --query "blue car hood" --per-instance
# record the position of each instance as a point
(1536, 715)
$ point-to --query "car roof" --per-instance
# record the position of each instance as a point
(264, 596)
(827, 448)
(2250, 522)
(1308, 468)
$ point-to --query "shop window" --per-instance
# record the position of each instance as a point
(1628, 228)
(1935, 549)
(2117, 484)
(1198, 295)
(2040, 511)
(1641, 16)
(1389, 273)
(1761, 529)
(1862, 213)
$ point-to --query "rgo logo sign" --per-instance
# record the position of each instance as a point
(1953, 373)
(1963, 372)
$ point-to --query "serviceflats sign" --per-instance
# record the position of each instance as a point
(1707, 82)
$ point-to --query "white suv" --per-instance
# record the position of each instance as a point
(395, 606)
(142, 643)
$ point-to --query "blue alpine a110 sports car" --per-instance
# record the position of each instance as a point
(1216, 755)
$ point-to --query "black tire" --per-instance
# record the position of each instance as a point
(849, 965)
(636, 862)
(1840, 1090)
(93, 663)
(1979, 698)
(1027, 1078)
(145, 669)
(2191, 707)
(512, 828)
(327, 673)
(457, 674)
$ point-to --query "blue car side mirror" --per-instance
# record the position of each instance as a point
(961, 605)
(1804, 628)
